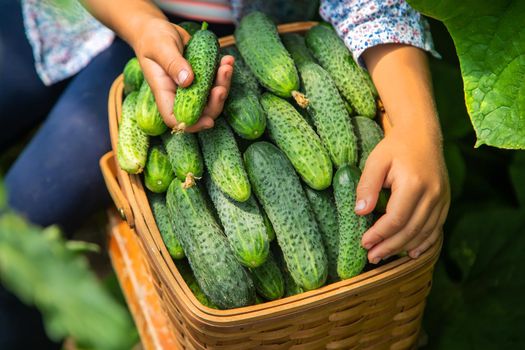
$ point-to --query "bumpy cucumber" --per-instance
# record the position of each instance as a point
(222, 278)
(224, 162)
(242, 75)
(279, 191)
(349, 78)
(369, 134)
(298, 141)
(296, 46)
(190, 27)
(188, 276)
(148, 116)
(184, 155)
(352, 255)
(133, 143)
(158, 173)
(290, 287)
(323, 206)
(133, 76)
(268, 279)
(270, 232)
(260, 46)
(164, 223)
(243, 224)
(202, 53)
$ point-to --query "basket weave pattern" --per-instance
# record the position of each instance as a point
(379, 309)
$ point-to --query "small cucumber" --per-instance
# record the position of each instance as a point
(159, 208)
(268, 279)
(222, 278)
(323, 206)
(244, 113)
(290, 287)
(190, 27)
(270, 232)
(352, 255)
(296, 46)
(148, 116)
(187, 274)
(260, 46)
(202, 53)
(369, 134)
(242, 75)
(184, 155)
(133, 76)
(243, 224)
(298, 141)
(133, 143)
(158, 173)
(224, 162)
(280, 193)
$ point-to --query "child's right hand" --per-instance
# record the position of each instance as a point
(159, 47)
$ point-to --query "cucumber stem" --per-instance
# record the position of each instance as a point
(204, 26)
(300, 98)
(189, 182)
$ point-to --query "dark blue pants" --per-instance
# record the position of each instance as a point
(56, 179)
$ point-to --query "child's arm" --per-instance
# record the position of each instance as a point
(408, 160)
(159, 47)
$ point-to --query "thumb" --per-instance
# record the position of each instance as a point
(370, 183)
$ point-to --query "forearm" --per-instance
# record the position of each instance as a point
(401, 75)
(125, 17)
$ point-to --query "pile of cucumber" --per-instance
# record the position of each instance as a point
(262, 205)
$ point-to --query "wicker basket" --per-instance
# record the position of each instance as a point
(378, 309)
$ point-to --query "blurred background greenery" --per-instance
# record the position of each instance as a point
(476, 300)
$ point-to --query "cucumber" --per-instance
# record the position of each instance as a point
(268, 279)
(325, 105)
(350, 79)
(224, 162)
(279, 191)
(188, 276)
(159, 208)
(323, 206)
(202, 53)
(185, 156)
(298, 141)
(258, 299)
(190, 27)
(352, 255)
(242, 75)
(243, 224)
(222, 278)
(262, 50)
(158, 173)
(133, 76)
(369, 135)
(148, 116)
(133, 143)
(270, 232)
(290, 287)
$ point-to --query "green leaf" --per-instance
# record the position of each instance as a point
(490, 41)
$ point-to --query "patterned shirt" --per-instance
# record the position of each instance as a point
(65, 37)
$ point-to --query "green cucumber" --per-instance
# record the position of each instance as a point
(202, 53)
(298, 141)
(190, 27)
(148, 116)
(187, 274)
(258, 299)
(224, 162)
(290, 287)
(270, 232)
(158, 173)
(222, 278)
(242, 75)
(133, 76)
(243, 224)
(296, 46)
(369, 135)
(350, 79)
(262, 50)
(279, 191)
(159, 208)
(184, 155)
(268, 279)
(352, 256)
(133, 143)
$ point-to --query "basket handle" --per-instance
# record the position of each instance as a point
(108, 168)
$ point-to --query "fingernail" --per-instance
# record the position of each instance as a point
(360, 205)
(375, 260)
(183, 75)
(416, 254)
(367, 245)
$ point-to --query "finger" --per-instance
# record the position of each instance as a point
(227, 59)
(414, 251)
(370, 184)
(224, 75)
(184, 35)
(216, 101)
(432, 239)
(168, 55)
(413, 228)
(204, 122)
(403, 201)
(430, 225)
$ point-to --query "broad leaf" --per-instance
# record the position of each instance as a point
(490, 40)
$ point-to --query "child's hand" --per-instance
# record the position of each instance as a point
(159, 46)
(412, 166)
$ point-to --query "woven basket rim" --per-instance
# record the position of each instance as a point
(131, 186)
